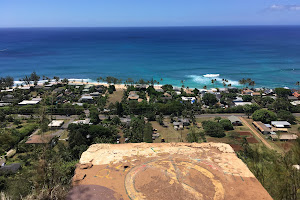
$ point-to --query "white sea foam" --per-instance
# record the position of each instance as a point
(205, 80)
(211, 75)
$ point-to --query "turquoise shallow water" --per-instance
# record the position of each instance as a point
(270, 55)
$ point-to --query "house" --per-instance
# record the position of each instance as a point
(297, 95)
(133, 95)
(159, 90)
(25, 88)
(141, 87)
(85, 90)
(7, 90)
(241, 103)
(280, 124)
(191, 99)
(292, 98)
(40, 139)
(255, 94)
(28, 102)
(185, 121)
(166, 96)
(235, 121)
(262, 127)
(10, 169)
(284, 137)
(295, 103)
(247, 91)
(33, 101)
(269, 91)
(4, 104)
(126, 120)
(177, 89)
(56, 124)
(95, 94)
(85, 121)
(178, 125)
(86, 98)
(8, 98)
(223, 90)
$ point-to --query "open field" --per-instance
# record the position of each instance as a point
(169, 133)
(116, 96)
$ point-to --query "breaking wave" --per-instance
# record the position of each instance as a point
(206, 80)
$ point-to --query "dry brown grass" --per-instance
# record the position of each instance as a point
(116, 96)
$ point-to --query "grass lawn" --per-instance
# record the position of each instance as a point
(116, 96)
(294, 127)
(169, 133)
(64, 135)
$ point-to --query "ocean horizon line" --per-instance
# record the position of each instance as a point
(162, 26)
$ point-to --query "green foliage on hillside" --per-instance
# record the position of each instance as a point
(275, 171)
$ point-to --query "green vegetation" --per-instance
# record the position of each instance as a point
(213, 129)
(275, 171)
(265, 116)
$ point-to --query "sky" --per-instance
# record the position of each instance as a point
(135, 13)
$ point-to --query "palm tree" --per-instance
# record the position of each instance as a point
(252, 83)
(298, 84)
(243, 82)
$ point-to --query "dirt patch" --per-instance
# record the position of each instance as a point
(252, 140)
(245, 133)
(169, 171)
(236, 147)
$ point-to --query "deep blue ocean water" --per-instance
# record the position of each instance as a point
(270, 55)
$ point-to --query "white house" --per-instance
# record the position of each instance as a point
(280, 124)
(56, 124)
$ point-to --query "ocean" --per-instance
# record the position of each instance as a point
(269, 55)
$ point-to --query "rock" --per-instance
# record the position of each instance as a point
(86, 166)
(79, 177)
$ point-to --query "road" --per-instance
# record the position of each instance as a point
(258, 134)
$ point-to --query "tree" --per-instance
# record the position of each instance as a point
(247, 98)
(65, 81)
(281, 104)
(286, 115)
(209, 99)
(249, 109)
(252, 83)
(265, 116)
(161, 119)
(282, 92)
(243, 82)
(196, 91)
(34, 77)
(120, 109)
(227, 125)
(167, 87)
(213, 129)
(2, 116)
(147, 137)
(218, 119)
(6, 82)
(193, 135)
(94, 116)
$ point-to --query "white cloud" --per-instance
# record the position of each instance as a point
(277, 7)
